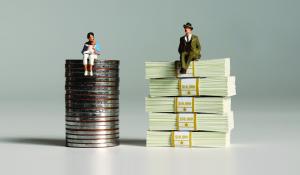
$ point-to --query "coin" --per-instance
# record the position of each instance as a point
(92, 79)
(95, 136)
(109, 84)
(86, 124)
(93, 88)
(108, 140)
(97, 61)
(92, 119)
(101, 74)
(94, 110)
(91, 105)
(98, 145)
(93, 114)
(89, 132)
(96, 92)
(93, 127)
(90, 96)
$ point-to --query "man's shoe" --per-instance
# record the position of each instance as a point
(182, 71)
(91, 73)
(86, 73)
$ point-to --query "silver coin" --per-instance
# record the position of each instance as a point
(99, 136)
(93, 110)
(98, 145)
(101, 104)
(102, 123)
(90, 97)
(94, 77)
(99, 66)
(90, 94)
(96, 61)
(96, 92)
(91, 79)
(109, 84)
(96, 105)
(95, 67)
(93, 88)
(92, 114)
(91, 119)
(101, 74)
(111, 140)
(93, 132)
(87, 103)
(95, 72)
(93, 103)
(92, 127)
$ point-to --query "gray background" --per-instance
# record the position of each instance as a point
(261, 37)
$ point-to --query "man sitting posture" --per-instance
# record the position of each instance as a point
(91, 50)
(189, 48)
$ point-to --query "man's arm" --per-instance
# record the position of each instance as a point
(198, 48)
(180, 46)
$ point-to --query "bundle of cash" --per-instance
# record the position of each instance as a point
(201, 68)
(187, 139)
(210, 86)
(191, 121)
(189, 104)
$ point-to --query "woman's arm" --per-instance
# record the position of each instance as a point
(97, 48)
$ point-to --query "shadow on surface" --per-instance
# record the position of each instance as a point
(34, 141)
(61, 142)
(133, 142)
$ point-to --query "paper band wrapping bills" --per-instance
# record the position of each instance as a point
(186, 121)
(184, 104)
(188, 87)
(181, 139)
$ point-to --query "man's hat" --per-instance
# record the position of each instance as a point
(188, 25)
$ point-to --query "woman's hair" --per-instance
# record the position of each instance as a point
(90, 33)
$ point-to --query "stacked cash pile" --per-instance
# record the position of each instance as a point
(192, 109)
(92, 104)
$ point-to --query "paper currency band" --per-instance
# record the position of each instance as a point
(193, 64)
(196, 87)
(176, 104)
(178, 121)
(173, 139)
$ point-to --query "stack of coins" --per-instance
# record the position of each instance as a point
(92, 104)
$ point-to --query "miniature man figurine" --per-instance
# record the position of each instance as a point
(90, 50)
(189, 48)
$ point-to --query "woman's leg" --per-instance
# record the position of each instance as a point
(92, 59)
(85, 57)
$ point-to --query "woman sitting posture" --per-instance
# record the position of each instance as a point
(91, 50)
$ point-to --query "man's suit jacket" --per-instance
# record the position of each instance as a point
(193, 51)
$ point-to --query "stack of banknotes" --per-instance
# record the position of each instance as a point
(192, 109)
